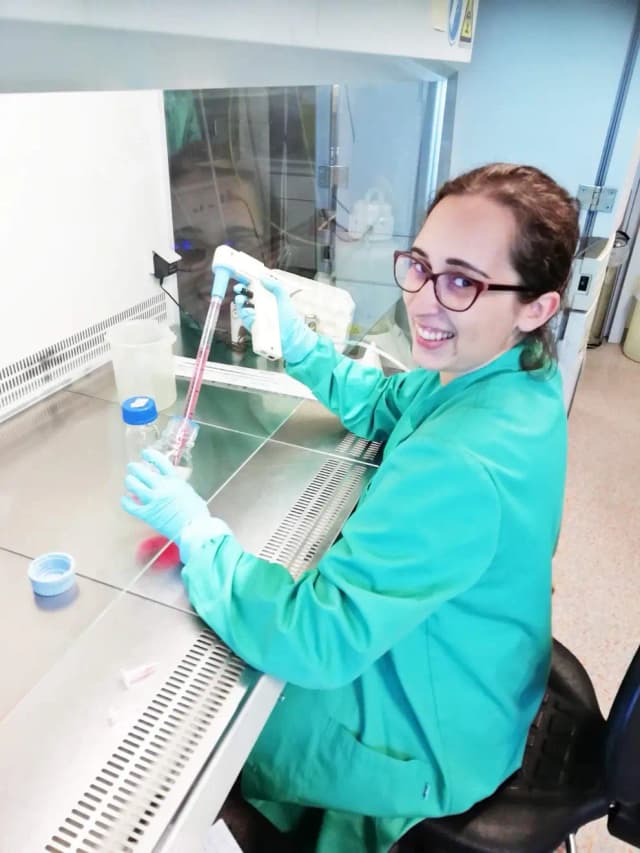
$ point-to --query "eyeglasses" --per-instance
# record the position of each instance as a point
(453, 290)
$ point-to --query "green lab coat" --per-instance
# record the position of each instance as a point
(416, 652)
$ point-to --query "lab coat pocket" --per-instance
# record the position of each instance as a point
(364, 780)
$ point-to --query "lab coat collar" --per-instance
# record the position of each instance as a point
(437, 395)
(508, 362)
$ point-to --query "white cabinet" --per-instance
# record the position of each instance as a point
(572, 350)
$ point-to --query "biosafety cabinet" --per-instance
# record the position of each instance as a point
(298, 141)
(102, 164)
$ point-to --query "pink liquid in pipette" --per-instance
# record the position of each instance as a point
(191, 402)
(170, 555)
(196, 380)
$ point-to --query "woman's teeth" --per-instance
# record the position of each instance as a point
(433, 334)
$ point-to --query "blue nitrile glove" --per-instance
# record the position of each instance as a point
(160, 497)
(200, 531)
(296, 338)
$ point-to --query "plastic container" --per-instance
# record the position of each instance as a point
(169, 439)
(141, 418)
(142, 356)
(631, 347)
(371, 217)
(52, 574)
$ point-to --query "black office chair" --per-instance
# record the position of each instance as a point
(577, 768)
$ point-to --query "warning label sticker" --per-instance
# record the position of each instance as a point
(466, 30)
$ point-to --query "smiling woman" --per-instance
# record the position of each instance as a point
(501, 223)
(416, 652)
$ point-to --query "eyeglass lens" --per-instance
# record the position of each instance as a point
(453, 290)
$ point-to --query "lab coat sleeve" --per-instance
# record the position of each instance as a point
(367, 402)
(426, 531)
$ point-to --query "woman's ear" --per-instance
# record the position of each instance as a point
(534, 314)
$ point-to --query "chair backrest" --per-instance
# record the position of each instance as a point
(563, 755)
(622, 746)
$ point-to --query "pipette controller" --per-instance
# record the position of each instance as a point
(228, 264)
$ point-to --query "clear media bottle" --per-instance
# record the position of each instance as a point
(141, 417)
(176, 430)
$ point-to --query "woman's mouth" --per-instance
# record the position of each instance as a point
(430, 337)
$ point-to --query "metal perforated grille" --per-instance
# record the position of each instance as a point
(118, 807)
(359, 448)
(35, 376)
(315, 519)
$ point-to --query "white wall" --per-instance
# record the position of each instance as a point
(84, 201)
(540, 89)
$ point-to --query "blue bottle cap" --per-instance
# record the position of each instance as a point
(139, 410)
(52, 574)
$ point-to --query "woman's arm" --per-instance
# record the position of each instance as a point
(426, 531)
(367, 402)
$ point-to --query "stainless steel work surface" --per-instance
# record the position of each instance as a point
(35, 631)
(281, 473)
(257, 499)
(99, 383)
(87, 762)
(62, 475)
(315, 427)
(244, 411)
(84, 756)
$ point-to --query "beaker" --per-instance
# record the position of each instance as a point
(142, 356)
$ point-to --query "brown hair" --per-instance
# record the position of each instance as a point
(546, 236)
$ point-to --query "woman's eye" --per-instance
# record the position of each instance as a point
(418, 267)
(459, 282)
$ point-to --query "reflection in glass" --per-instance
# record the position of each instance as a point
(324, 182)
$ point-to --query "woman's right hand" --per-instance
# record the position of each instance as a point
(296, 338)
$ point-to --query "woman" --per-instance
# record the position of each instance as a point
(416, 653)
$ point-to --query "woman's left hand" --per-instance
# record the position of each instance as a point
(160, 497)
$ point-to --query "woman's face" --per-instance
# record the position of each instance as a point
(470, 235)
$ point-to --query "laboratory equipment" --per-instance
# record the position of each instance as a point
(52, 573)
(265, 333)
(610, 287)
(585, 284)
(296, 338)
(587, 275)
(326, 308)
(140, 416)
(372, 217)
(142, 356)
(157, 550)
(159, 496)
(167, 442)
(228, 263)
